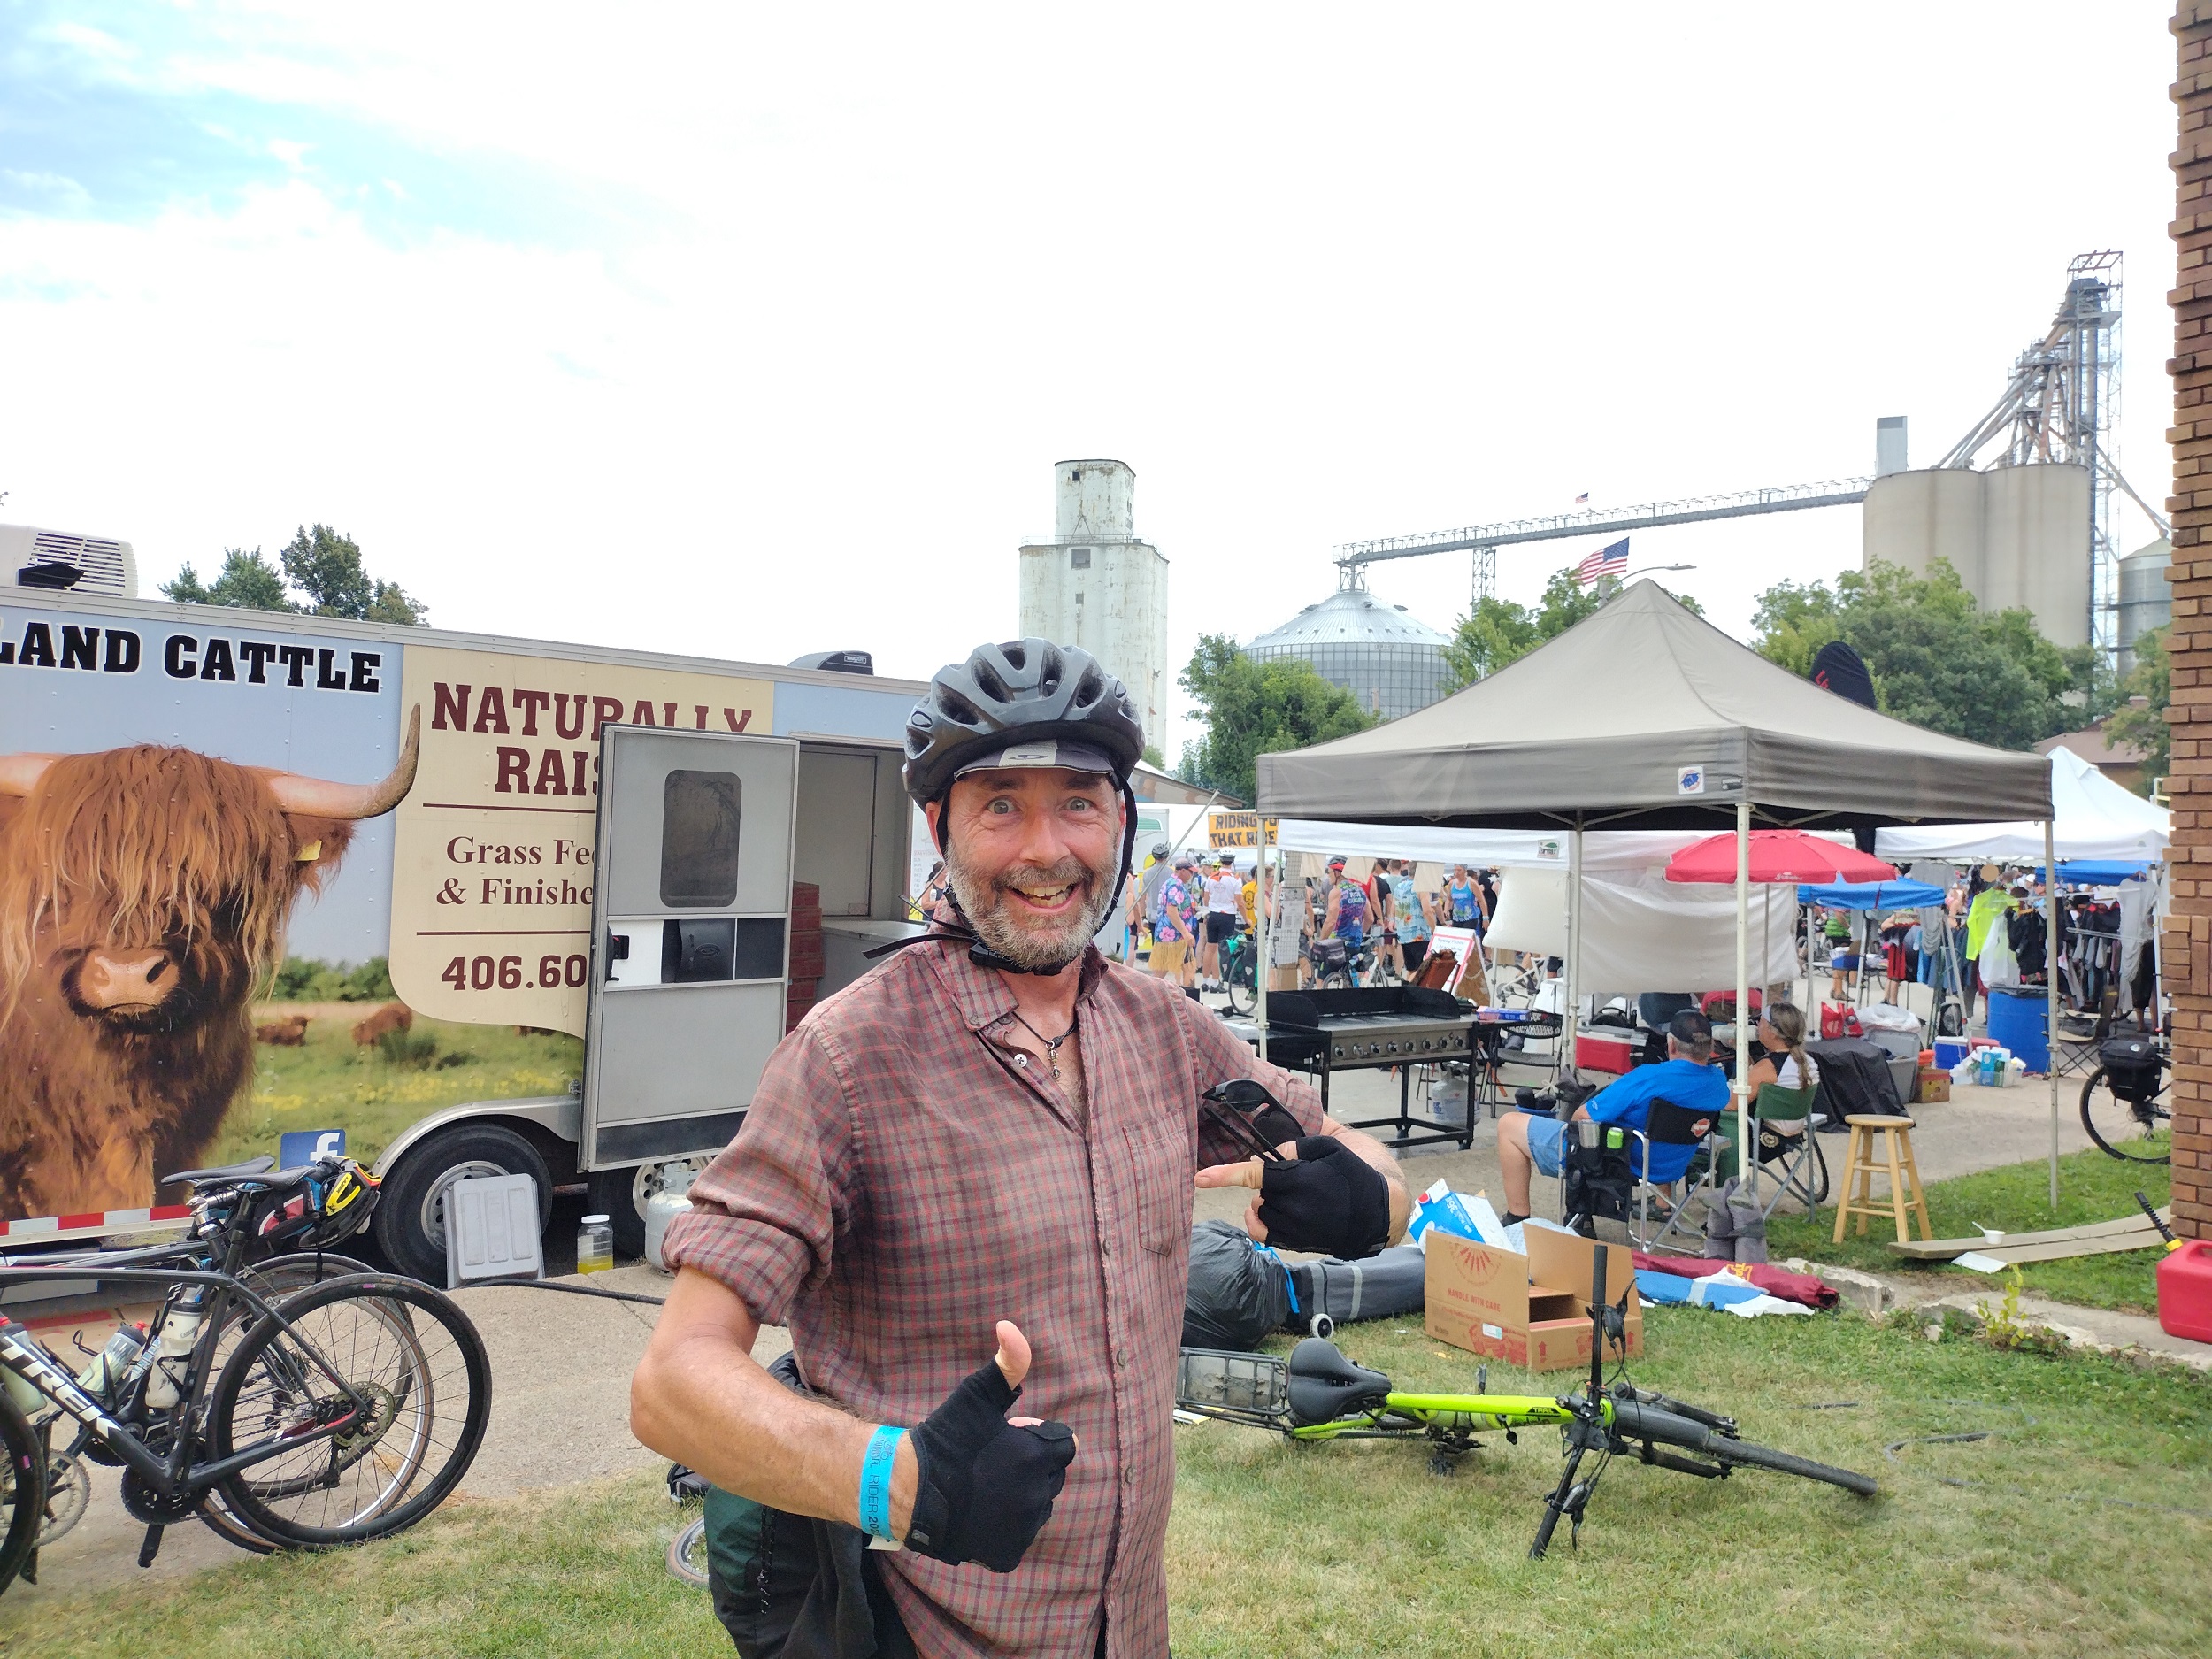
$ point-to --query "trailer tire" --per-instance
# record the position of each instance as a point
(410, 1219)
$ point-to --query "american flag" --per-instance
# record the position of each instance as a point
(1607, 561)
(1582, 498)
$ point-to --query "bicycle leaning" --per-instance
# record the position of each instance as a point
(283, 1406)
(1317, 1394)
(2121, 1106)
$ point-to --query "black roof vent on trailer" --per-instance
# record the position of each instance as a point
(837, 662)
(49, 574)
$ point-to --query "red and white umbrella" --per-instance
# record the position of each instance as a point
(1779, 855)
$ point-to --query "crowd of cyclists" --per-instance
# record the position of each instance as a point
(1195, 914)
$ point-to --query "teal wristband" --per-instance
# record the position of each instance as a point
(875, 1482)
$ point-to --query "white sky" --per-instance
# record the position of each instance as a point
(751, 331)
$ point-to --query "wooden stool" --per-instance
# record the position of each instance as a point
(1860, 1167)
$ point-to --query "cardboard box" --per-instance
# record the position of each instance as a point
(1934, 1085)
(1530, 1311)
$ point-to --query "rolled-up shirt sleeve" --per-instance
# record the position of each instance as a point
(1218, 1055)
(767, 1214)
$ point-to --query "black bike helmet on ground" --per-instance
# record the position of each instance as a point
(1025, 692)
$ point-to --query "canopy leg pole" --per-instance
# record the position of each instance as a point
(1263, 963)
(2050, 978)
(1744, 1160)
(1570, 1021)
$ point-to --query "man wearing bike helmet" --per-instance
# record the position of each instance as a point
(968, 1176)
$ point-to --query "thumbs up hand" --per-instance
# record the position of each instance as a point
(986, 1486)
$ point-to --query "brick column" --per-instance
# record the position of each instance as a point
(2188, 940)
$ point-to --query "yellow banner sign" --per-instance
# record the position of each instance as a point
(1237, 829)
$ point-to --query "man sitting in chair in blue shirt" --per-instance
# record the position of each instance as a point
(1687, 1078)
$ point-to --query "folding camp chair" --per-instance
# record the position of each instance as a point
(1782, 1132)
(1667, 1125)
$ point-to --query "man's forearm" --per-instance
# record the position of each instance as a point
(699, 1397)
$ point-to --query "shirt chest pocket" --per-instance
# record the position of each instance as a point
(1157, 1178)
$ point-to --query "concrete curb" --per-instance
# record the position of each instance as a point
(2129, 1336)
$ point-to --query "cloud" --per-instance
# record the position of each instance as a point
(747, 332)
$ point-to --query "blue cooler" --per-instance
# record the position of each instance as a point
(2019, 1021)
(1949, 1051)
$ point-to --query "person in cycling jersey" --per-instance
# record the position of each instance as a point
(968, 1177)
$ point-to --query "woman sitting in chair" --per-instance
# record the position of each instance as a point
(1795, 1080)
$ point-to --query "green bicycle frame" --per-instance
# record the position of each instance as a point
(1462, 1413)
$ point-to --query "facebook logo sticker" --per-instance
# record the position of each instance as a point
(1690, 780)
(299, 1147)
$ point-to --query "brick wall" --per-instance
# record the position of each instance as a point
(2187, 944)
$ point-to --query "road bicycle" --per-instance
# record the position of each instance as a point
(283, 1407)
(1317, 1394)
(2122, 1106)
(1240, 972)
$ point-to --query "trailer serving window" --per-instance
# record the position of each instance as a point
(701, 812)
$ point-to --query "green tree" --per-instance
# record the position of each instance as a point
(1498, 632)
(1936, 659)
(246, 579)
(1252, 709)
(2145, 729)
(325, 565)
(320, 563)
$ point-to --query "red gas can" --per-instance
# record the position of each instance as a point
(2184, 1291)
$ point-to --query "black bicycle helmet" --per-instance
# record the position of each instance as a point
(1028, 691)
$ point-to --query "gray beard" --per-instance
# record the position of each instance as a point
(983, 905)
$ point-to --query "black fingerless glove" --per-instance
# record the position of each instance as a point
(1330, 1199)
(985, 1487)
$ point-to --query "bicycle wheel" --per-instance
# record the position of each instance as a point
(22, 1489)
(2136, 1133)
(687, 1554)
(404, 1348)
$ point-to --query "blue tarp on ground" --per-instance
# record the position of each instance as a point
(1871, 895)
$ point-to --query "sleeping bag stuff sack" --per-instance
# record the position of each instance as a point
(1385, 1284)
(1236, 1295)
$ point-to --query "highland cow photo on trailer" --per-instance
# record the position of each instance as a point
(265, 875)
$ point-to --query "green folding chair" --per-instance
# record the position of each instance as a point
(1782, 1131)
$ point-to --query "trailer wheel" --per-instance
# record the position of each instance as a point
(410, 1219)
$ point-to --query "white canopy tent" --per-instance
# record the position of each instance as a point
(2093, 818)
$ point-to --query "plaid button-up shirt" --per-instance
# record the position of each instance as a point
(905, 1179)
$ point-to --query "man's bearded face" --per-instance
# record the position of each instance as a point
(1032, 858)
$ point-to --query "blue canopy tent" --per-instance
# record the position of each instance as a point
(2100, 872)
(1873, 896)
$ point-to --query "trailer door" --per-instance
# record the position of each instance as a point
(691, 918)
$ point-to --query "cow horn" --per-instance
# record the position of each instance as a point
(20, 773)
(318, 797)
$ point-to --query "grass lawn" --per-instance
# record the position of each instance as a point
(1356, 1548)
(2092, 1186)
(330, 1082)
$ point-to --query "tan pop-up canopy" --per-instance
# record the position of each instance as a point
(1646, 716)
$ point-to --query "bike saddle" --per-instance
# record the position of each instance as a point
(261, 1172)
(1325, 1385)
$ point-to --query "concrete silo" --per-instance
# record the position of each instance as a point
(1390, 660)
(2018, 536)
(2146, 601)
(1095, 585)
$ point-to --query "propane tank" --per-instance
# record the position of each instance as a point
(664, 1207)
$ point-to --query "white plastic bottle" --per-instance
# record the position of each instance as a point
(172, 1356)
